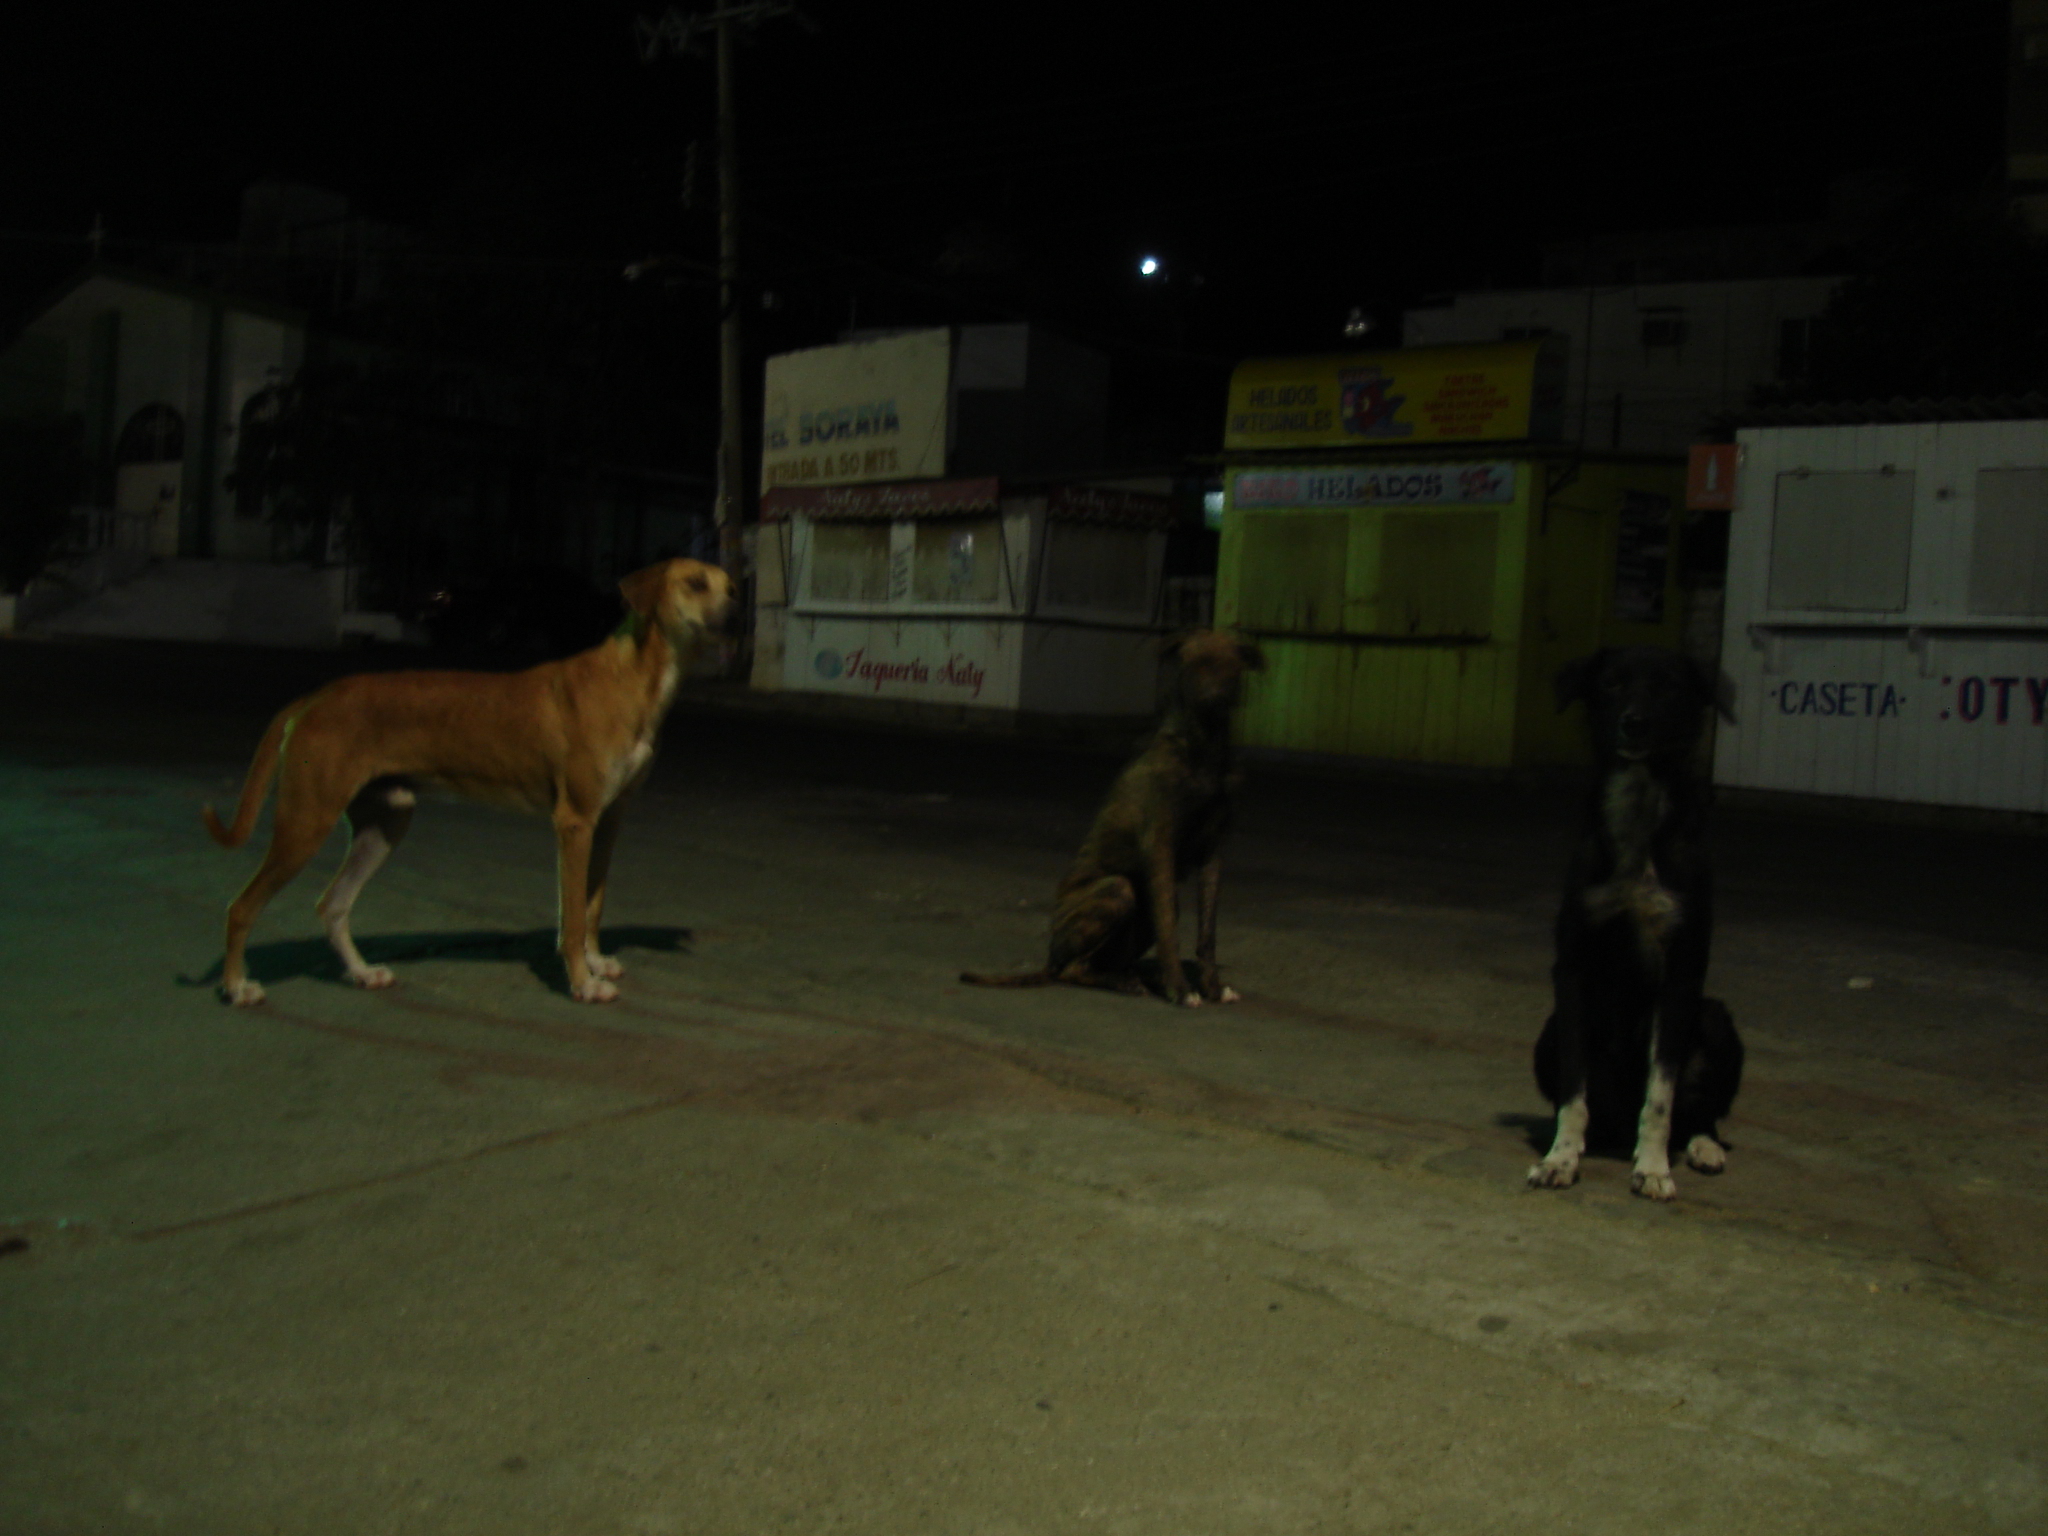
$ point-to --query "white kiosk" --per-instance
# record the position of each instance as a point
(1040, 598)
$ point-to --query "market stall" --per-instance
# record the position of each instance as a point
(968, 592)
(1417, 553)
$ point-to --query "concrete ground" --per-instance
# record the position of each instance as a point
(803, 1235)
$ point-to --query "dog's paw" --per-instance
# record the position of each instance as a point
(243, 994)
(374, 977)
(603, 965)
(1652, 1185)
(1706, 1154)
(595, 989)
(1190, 999)
(1554, 1173)
(1229, 995)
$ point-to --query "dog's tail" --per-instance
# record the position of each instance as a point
(1021, 979)
(262, 769)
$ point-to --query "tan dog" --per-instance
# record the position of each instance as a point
(570, 739)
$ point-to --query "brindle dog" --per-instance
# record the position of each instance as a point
(1165, 817)
(1632, 1038)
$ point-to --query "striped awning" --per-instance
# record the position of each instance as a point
(908, 500)
(903, 499)
(1109, 504)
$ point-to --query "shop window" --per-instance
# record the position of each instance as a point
(1292, 572)
(1096, 569)
(1663, 330)
(1841, 541)
(958, 561)
(850, 563)
(2009, 549)
(154, 435)
(1436, 573)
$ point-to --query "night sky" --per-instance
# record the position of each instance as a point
(906, 165)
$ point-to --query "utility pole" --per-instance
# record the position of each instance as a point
(674, 32)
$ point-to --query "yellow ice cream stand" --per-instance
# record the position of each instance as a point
(1418, 550)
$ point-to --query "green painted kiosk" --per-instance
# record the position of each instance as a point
(1418, 550)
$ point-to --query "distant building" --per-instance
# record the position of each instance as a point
(158, 371)
(1650, 364)
(2026, 114)
(524, 478)
(938, 528)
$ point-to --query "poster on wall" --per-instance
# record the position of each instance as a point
(1497, 392)
(857, 413)
(1642, 556)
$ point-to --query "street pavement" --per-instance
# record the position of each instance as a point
(803, 1235)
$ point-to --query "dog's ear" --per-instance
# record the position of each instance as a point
(1253, 658)
(643, 589)
(1718, 688)
(1575, 678)
(1169, 645)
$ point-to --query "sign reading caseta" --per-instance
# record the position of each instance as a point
(859, 412)
(1505, 392)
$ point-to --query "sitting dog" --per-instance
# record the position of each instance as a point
(1165, 817)
(570, 739)
(1631, 1037)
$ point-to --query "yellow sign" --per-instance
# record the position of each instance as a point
(1509, 391)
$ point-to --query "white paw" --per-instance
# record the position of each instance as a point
(1191, 1000)
(1230, 995)
(595, 990)
(1652, 1185)
(603, 965)
(373, 977)
(243, 994)
(1555, 1172)
(1706, 1154)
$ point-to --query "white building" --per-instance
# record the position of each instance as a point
(1650, 364)
(1887, 610)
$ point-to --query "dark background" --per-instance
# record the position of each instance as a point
(924, 165)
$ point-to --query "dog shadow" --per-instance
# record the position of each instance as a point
(1537, 1130)
(289, 959)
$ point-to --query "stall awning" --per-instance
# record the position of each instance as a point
(913, 499)
(903, 499)
(1111, 505)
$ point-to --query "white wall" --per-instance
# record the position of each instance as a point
(1913, 699)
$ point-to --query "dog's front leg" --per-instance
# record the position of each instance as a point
(573, 836)
(602, 840)
(1159, 878)
(1671, 1041)
(1565, 1040)
(1209, 887)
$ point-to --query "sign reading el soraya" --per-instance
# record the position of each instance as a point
(860, 412)
(1504, 392)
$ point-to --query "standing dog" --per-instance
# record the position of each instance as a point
(1631, 1035)
(570, 739)
(1165, 816)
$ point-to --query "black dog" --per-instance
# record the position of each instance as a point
(1164, 819)
(1631, 1037)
